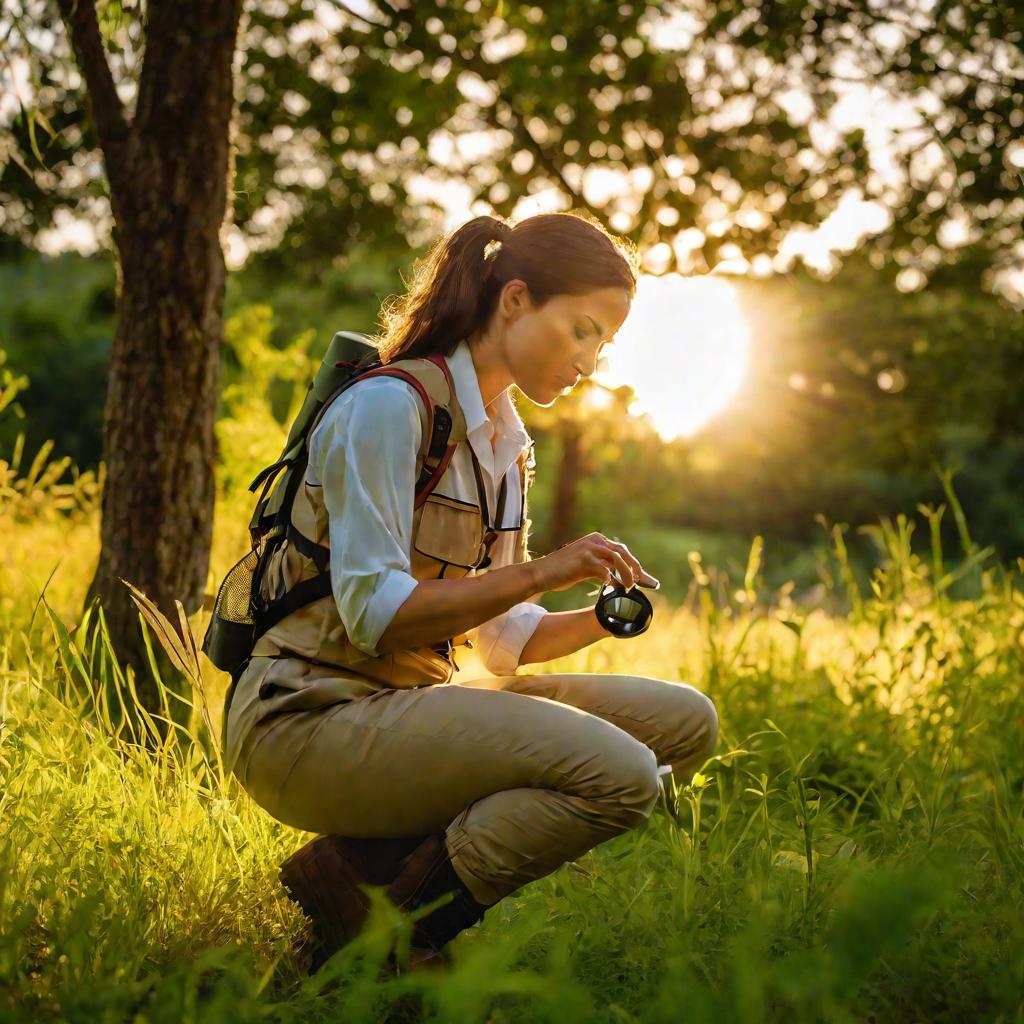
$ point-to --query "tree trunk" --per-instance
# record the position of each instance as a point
(169, 173)
(570, 470)
(157, 511)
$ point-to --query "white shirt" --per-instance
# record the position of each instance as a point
(363, 453)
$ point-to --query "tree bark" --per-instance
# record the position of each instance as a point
(169, 171)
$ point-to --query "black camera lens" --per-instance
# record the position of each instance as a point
(623, 613)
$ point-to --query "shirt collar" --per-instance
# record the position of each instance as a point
(507, 420)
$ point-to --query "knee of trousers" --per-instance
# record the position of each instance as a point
(711, 726)
(633, 784)
(696, 738)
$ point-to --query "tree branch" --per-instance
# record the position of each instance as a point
(522, 133)
(518, 126)
(359, 17)
(108, 114)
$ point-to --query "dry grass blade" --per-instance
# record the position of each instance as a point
(197, 673)
(164, 632)
(190, 641)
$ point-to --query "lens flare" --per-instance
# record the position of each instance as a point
(682, 349)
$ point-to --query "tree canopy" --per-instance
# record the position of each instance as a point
(715, 129)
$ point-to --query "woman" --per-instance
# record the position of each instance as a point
(348, 720)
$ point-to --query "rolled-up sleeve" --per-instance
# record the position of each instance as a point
(364, 453)
(500, 641)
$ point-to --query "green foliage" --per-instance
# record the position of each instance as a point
(716, 114)
(262, 397)
(10, 387)
(342, 291)
(851, 852)
(56, 326)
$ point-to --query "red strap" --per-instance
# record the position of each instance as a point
(391, 371)
(385, 371)
(438, 473)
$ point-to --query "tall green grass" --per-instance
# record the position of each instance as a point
(853, 852)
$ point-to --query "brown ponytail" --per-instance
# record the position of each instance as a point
(455, 287)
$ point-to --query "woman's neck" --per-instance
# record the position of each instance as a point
(491, 372)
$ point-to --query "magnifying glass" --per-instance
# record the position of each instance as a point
(622, 612)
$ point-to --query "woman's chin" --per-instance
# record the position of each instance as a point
(544, 396)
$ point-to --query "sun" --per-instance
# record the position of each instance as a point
(682, 349)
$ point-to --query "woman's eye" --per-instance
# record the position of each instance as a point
(581, 332)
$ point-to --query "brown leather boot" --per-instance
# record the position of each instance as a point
(426, 875)
(324, 876)
(427, 960)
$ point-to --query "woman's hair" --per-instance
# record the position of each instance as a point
(455, 287)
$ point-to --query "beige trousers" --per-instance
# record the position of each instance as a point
(521, 773)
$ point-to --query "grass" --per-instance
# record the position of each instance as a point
(853, 852)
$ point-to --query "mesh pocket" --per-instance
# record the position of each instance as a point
(234, 599)
(231, 634)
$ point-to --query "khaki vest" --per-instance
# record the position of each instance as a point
(449, 538)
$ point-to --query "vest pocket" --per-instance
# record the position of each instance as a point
(450, 531)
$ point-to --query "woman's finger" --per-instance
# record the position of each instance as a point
(636, 569)
(624, 571)
(603, 566)
(615, 569)
(646, 579)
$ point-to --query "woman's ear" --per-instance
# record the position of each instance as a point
(515, 299)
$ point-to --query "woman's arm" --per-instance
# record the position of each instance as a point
(438, 609)
(561, 633)
(442, 608)
(364, 453)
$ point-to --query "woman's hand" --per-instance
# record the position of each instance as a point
(593, 557)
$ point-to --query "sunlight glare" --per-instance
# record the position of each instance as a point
(683, 350)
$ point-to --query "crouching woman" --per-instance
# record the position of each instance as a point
(351, 719)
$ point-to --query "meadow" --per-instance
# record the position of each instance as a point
(853, 852)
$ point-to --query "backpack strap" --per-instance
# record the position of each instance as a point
(439, 424)
(438, 455)
(231, 635)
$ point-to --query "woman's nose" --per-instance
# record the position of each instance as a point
(587, 360)
(582, 364)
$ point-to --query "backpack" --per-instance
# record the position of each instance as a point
(240, 614)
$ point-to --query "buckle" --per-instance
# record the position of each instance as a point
(445, 649)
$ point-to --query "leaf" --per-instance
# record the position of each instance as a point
(162, 629)
(794, 861)
(847, 850)
(753, 564)
(186, 633)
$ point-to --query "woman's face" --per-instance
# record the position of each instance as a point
(548, 348)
